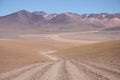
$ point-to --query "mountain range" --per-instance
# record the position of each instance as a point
(64, 21)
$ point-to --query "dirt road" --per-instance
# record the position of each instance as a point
(58, 37)
(59, 69)
(63, 70)
(61, 37)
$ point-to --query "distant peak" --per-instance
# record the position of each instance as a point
(23, 11)
(42, 13)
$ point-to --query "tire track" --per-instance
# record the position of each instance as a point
(75, 73)
(16, 72)
(53, 73)
(62, 70)
(92, 75)
(102, 72)
(37, 75)
(29, 73)
(103, 67)
(23, 73)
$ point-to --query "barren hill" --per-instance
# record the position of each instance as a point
(41, 22)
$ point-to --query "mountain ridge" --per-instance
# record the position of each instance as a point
(65, 22)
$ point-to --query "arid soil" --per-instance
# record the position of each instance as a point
(18, 53)
(63, 70)
(75, 66)
(59, 69)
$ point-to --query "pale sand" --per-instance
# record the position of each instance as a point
(62, 70)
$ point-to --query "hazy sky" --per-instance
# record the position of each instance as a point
(59, 6)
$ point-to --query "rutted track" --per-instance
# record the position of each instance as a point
(24, 72)
(62, 70)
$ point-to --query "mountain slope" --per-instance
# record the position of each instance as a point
(41, 22)
(21, 18)
(39, 17)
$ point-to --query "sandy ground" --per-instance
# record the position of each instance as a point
(59, 69)
(85, 37)
(62, 70)
(56, 38)
(18, 53)
(59, 37)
